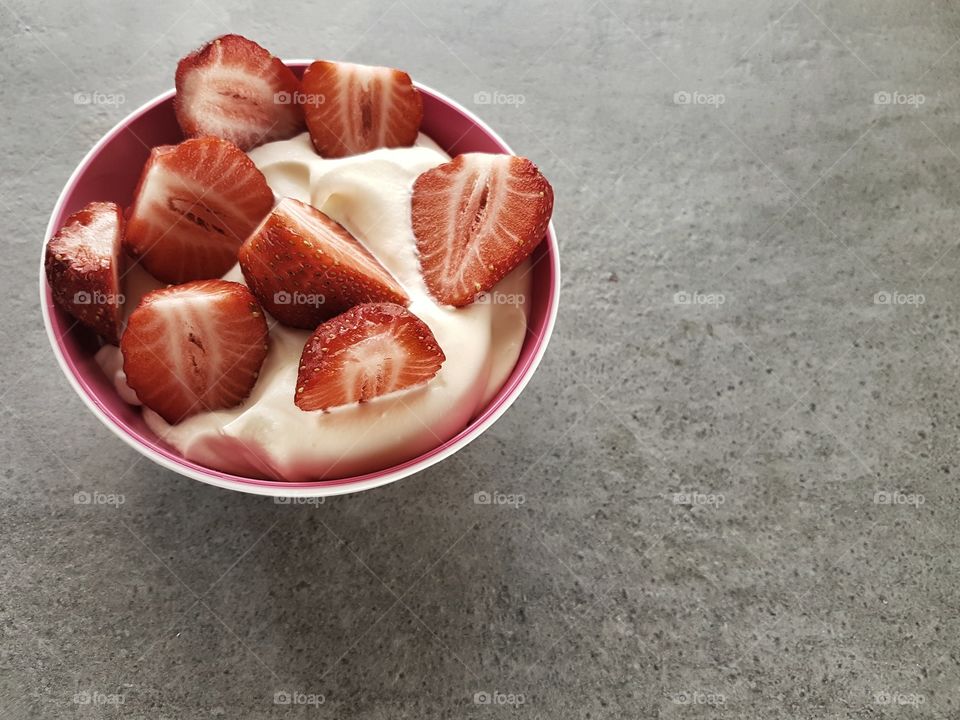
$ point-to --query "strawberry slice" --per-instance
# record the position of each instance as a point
(195, 204)
(84, 262)
(475, 219)
(351, 109)
(236, 90)
(368, 351)
(194, 347)
(306, 268)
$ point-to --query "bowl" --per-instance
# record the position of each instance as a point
(110, 172)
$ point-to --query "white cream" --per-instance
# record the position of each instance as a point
(270, 437)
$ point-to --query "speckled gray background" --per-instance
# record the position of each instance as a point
(736, 509)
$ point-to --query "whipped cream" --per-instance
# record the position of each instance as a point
(268, 436)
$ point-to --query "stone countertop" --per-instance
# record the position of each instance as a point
(737, 462)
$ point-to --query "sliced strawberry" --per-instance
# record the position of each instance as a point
(84, 263)
(194, 347)
(236, 90)
(305, 268)
(366, 352)
(475, 219)
(195, 204)
(351, 109)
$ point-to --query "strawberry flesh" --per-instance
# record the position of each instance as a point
(306, 268)
(234, 89)
(194, 347)
(368, 351)
(195, 204)
(84, 265)
(475, 219)
(352, 109)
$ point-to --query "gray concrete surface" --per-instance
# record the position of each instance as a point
(736, 509)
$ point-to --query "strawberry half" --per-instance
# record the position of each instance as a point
(236, 90)
(194, 347)
(305, 268)
(195, 204)
(84, 264)
(351, 109)
(366, 352)
(475, 219)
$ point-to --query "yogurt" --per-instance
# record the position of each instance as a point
(271, 438)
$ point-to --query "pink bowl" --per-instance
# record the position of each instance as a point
(110, 172)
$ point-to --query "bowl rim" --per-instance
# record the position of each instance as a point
(280, 488)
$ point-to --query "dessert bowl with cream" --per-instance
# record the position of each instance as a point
(265, 442)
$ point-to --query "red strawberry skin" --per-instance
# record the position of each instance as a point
(84, 266)
(234, 89)
(306, 268)
(195, 204)
(475, 219)
(352, 109)
(368, 351)
(194, 347)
